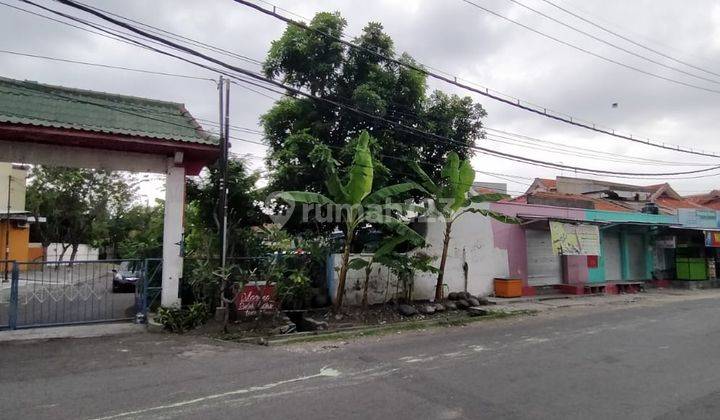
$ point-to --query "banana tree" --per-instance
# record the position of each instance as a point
(386, 248)
(355, 202)
(451, 199)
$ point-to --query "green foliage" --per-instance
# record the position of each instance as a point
(204, 284)
(450, 199)
(404, 266)
(80, 205)
(293, 285)
(139, 232)
(357, 202)
(297, 128)
(183, 319)
(202, 221)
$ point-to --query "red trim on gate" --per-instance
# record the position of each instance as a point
(195, 156)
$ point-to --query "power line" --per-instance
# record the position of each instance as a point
(453, 80)
(586, 51)
(596, 38)
(605, 29)
(393, 123)
(573, 148)
(669, 147)
(180, 37)
(127, 39)
(592, 154)
(107, 66)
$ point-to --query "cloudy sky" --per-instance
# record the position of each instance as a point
(452, 36)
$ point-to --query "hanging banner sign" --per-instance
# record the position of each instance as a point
(712, 239)
(569, 239)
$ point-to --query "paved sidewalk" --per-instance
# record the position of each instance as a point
(74, 331)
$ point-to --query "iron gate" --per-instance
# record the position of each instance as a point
(78, 292)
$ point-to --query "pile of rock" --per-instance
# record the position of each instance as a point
(455, 301)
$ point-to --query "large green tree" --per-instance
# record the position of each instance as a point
(295, 126)
(80, 205)
(202, 225)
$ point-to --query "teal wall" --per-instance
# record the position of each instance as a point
(597, 275)
(618, 216)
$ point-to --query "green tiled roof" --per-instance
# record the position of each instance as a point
(31, 103)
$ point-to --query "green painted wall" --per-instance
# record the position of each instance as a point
(624, 256)
(618, 216)
(597, 275)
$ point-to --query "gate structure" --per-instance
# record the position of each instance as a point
(79, 292)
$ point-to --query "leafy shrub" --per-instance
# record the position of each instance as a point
(180, 320)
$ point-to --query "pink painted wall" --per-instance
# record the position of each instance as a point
(511, 237)
(575, 269)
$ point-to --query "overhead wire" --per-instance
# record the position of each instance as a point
(107, 66)
(586, 51)
(630, 40)
(603, 41)
(454, 80)
(674, 148)
(358, 111)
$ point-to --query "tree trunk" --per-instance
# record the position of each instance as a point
(368, 270)
(443, 260)
(73, 254)
(343, 273)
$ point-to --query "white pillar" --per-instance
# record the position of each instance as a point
(172, 266)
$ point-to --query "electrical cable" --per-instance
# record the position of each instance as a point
(453, 80)
(399, 126)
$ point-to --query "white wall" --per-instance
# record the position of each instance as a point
(382, 285)
(472, 233)
(85, 252)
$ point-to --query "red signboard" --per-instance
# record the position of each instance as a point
(592, 261)
(255, 298)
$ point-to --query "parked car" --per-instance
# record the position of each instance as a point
(125, 278)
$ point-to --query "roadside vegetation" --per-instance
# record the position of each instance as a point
(365, 183)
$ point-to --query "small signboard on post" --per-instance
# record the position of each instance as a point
(256, 297)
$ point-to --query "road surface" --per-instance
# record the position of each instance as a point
(632, 360)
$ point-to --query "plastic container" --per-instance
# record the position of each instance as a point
(508, 288)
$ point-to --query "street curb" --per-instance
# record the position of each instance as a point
(362, 331)
(73, 331)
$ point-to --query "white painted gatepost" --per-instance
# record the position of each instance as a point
(59, 126)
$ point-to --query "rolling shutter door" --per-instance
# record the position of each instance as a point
(543, 266)
(611, 254)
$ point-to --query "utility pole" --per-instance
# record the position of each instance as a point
(226, 152)
(7, 230)
(221, 165)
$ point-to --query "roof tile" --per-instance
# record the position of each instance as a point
(31, 103)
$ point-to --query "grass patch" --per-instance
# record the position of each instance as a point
(375, 330)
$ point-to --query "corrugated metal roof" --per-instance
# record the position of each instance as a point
(31, 103)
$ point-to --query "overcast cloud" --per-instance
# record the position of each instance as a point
(449, 35)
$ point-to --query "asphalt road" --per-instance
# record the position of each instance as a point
(643, 360)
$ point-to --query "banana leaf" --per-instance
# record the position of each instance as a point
(304, 197)
(361, 173)
(466, 176)
(488, 213)
(358, 264)
(379, 196)
(425, 180)
(484, 198)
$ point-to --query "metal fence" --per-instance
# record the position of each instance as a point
(64, 293)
